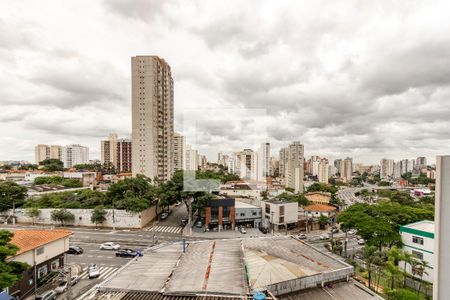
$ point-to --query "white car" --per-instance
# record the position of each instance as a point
(62, 287)
(352, 231)
(324, 236)
(361, 242)
(243, 231)
(93, 271)
(109, 246)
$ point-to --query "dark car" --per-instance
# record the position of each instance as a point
(264, 230)
(75, 250)
(128, 253)
(183, 222)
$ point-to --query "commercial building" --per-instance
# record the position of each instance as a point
(74, 155)
(294, 168)
(43, 250)
(179, 151)
(418, 240)
(247, 215)
(323, 169)
(152, 117)
(220, 213)
(279, 214)
(441, 275)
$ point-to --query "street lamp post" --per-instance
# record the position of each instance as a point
(271, 213)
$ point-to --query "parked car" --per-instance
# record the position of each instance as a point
(302, 236)
(334, 230)
(93, 271)
(352, 231)
(74, 280)
(109, 246)
(324, 236)
(75, 250)
(199, 224)
(163, 216)
(48, 295)
(183, 222)
(264, 230)
(243, 231)
(361, 242)
(127, 253)
(62, 287)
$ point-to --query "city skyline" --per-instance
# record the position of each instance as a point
(334, 92)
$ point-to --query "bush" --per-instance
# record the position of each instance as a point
(62, 215)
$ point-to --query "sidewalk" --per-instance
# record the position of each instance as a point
(226, 234)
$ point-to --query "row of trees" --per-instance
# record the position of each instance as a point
(58, 180)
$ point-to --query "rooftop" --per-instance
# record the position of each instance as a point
(425, 226)
(239, 204)
(232, 267)
(320, 207)
(27, 240)
(278, 201)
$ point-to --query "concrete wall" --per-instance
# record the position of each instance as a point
(122, 218)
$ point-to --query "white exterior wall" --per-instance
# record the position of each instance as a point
(290, 212)
(427, 250)
(51, 250)
(441, 287)
(122, 218)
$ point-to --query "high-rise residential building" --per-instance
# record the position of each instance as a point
(315, 160)
(386, 168)
(274, 167)
(123, 155)
(404, 166)
(283, 161)
(247, 164)
(202, 161)
(294, 167)
(397, 170)
(263, 162)
(231, 164)
(55, 152)
(411, 165)
(41, 152)
(346, 171)
(323, 174)
(191, 159)
(108, 149)
(337, 165)
(152, 117)
(74, 155)
(179, 151)
(421, 162)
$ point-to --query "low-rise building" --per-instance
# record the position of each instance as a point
(319, 197)
(317, 210)
(43, 250)
(247, 215)
(86, 178)
(418, 239)
(279, 214)
(220, 213)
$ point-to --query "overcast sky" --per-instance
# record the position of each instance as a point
(366, 79)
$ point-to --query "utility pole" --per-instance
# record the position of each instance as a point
(271, 213)
(345, 244)
(14, 213)
(69, 285)
(113, 216)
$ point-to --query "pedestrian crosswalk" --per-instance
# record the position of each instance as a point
(104, 272)
(166, 229)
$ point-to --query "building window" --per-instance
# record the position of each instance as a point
(267, 209)
(55, 265)
(40, 251)
(42, 271)
(281, 220)
(281, 210)
(254, 213)
(417, 240)
(242, 214)
(417, 254)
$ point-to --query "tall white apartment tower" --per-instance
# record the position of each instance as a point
(283, 161)
(152, 117)
(263, 161)
(441, 285)
(323, 173)
(295, 165)
(179, 152)
(74, 155)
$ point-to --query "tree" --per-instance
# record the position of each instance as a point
(406, 257)
(401, 294)
(98, 215)
(33, 212)
(52, 165)
(11, 194)
(370, 258)
(323, 221)
(62, 215)
(10, 272)
(28, 167)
